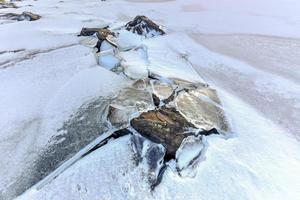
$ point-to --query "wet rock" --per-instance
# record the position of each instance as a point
(165, 126)
(156, 100)
(202, 110)
(142, 25)
(188, 155)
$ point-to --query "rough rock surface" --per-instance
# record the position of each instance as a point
(103, 34)
(29, 16)
(165, 126)
(142, 25)
(4, 4)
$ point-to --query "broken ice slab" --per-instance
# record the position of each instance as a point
(188, 155)
(108, 60)
(119, 116)
(161, 89)
(151, 156)
(127, 40)
(154, 159)
(199, 107)
(132, 101)
(135, 63)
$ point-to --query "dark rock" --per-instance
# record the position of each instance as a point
(4, 4)
(156, 100)
(165, 126)
(29, 16)
(209, 132)
(89, 31)
(103, 34)
(117, 134)
(142, 25)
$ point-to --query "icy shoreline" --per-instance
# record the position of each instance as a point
(39, 92)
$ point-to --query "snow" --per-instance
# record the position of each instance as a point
(259, 162)
(247, 50)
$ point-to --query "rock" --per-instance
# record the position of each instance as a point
(201, 110)
(29, 16)
(4, 4)
(90, 31)
(103, 34)
(165, 126)
(156, 100)
(142, 25)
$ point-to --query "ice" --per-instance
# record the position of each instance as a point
(188, 155)
(128, 40)
(201, 110)
(108, 60)
(135, 63)
(247, 50)
(161, 90)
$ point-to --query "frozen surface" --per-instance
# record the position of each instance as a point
(248, 50)
(248, 166)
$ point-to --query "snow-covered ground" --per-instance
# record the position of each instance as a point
(248, 50)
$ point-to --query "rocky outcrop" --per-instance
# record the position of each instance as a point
(4, 4)
(29, 16)
(165, 126)
(142, 25)
(103, 34)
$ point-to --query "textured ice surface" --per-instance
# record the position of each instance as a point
(201, 110)
(260, 162)
(188, 155)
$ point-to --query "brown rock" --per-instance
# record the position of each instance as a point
(29, 16)
(165, 126)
